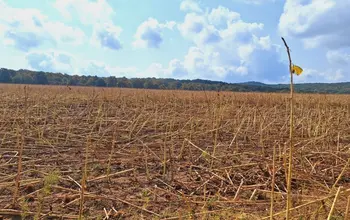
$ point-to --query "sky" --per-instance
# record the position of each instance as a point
(222, 40)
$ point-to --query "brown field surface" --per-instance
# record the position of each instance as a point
(153, 154)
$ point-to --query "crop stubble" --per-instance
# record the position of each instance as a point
(170, 154)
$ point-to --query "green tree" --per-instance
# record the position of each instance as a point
(91, 81)
(174, 85)
(111, 81)
(73, 81)
(83, 80)
(40, 78)
(148, 84)
(34, 77)
(137, 83)
(22, 78)
(123, 83)
(100, 82)
(5, 77)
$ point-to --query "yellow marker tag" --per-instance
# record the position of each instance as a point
(297, 69)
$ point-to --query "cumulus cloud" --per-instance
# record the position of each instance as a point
(228, 48)
(107, 36)
(65, 34)
(95, 68)
(193, 24)
(58, 61)
(29, 28)
(23, 40)
(88, 12)
(149, 33)
(222, 16)
(190, 5)
(177, 69)
(50, 61)
(318, 22)
(97, 13)
(99, 68)
(330, 75)
(174, 68)
(198, 27)
(195, 27)
(338, 57)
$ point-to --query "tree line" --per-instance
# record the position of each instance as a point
(23, 76)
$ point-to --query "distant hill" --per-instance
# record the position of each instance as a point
(23, 76)
(253, 83)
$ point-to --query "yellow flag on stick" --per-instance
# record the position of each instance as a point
(297, 69)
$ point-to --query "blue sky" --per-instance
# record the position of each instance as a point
(226, 40)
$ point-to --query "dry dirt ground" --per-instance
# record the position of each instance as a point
(152, 154)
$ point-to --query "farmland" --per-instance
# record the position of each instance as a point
(154, 154)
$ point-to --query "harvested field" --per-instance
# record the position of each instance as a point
(153, 154)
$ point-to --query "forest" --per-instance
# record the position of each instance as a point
(23, 76)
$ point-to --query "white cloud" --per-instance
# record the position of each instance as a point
(99, 68)
(325, 76)
(29, 28)
(88, 12)
(149, 33)
(190, 5)
(197, 62)
(208, 28)
(59, 61)
(95, 68)
(97, 13)
(337, 57)
(64, 33)
(107, 36)
(227, 48)
(318, 22)
(155, 70)
(51, 61)
(222, 16)
(193, 24)
(197, 28)
(123, 71)
(175, 68)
